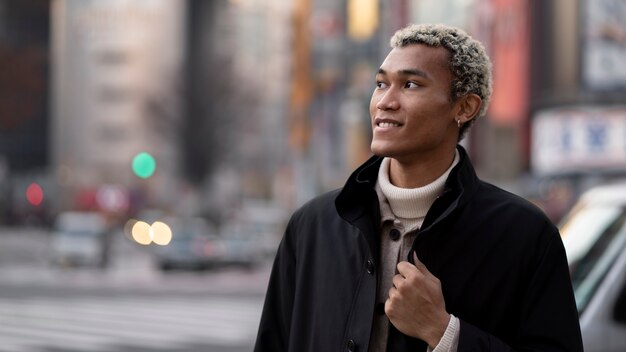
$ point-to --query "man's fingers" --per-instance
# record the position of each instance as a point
(397, 280)
(406, 269)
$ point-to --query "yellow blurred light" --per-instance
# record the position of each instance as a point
(128, 227)
(362, 18)
(141, 232)
(162, 234)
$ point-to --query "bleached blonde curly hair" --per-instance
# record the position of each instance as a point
(469, 62)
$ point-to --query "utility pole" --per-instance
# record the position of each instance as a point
(301, 87)
(299, 104)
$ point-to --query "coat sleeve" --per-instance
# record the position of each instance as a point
(548, 319)
(273, 334)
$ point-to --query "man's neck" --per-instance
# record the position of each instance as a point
(418, 173)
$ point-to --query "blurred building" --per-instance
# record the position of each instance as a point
(269, 99)
(238, 84)
(117, 89)
(24, 43)
(202, 86)
(24, 101)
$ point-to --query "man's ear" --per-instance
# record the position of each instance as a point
(468, 107)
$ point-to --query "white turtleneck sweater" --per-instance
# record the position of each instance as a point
(402, 213)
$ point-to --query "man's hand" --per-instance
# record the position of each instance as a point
(415, 305)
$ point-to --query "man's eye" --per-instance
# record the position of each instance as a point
(411, 85)
(381, 85)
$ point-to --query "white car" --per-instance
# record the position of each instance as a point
(594, 235)
(78, 239)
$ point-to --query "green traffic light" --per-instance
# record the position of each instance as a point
(144, 165)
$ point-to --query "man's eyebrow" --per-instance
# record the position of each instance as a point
(407, 72)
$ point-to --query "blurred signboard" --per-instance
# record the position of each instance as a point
(509, 54)
(604, 44)
(579, 139)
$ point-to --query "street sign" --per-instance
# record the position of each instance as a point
(579, 139)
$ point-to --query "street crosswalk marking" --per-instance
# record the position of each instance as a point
(35, 324)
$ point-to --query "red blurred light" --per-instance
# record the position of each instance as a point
(34, 194)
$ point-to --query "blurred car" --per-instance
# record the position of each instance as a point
(194, 245)
(252, 232)
(594, 235)
(242, 246)
(79, 239)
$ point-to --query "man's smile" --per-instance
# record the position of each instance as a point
(386, 123)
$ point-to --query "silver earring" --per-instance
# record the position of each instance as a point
(458, 123)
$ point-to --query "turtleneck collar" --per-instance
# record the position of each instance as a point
(412, 203)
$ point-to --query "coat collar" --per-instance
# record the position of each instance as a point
(358, 194)
(359, 190)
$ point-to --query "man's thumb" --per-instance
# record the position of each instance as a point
(419, 265)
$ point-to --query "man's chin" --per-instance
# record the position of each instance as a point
(380, 151)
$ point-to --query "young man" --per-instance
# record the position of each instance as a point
(416, 253)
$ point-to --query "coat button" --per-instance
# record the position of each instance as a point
(351, 346)
(370, 267)
(394, 234)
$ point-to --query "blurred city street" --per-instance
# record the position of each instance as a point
(130, 306)
(152, 152)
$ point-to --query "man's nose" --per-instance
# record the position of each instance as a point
(388, 100)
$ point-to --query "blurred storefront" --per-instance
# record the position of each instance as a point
(578, 117)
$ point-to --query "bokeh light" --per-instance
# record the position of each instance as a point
(144, 165)
(142, 233)
(128, 228)
(112, 198)
(34, 194)
(162, 234)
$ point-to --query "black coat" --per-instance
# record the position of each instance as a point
(500, 261)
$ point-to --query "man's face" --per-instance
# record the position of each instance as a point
(412, 115)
